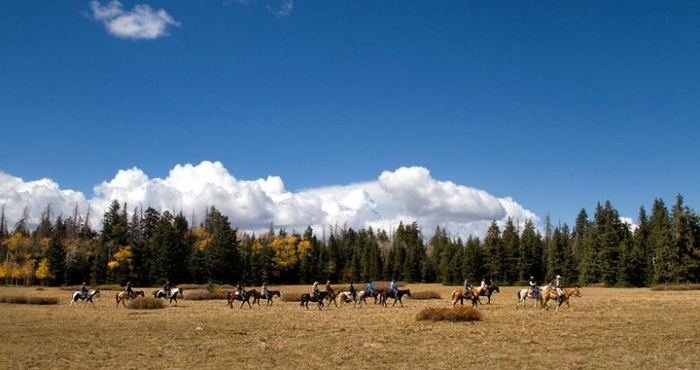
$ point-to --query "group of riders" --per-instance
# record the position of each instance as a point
(316, 291)
(127, 287)
(240, 289)
(534, 290)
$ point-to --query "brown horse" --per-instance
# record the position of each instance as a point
(270, 294)
(459, 296)
(550, 293)
(234, 295)
(486, 291)
(123, 296)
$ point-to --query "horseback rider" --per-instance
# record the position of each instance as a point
(166, 288)
(240, 290)
(263, 290)
(534, 291)
(393, 288)
(352, 291)
(129, 292)
(84, 290)
(467, 288)
(557, 284)
(370, 288)
(316, 293)
(483, 286)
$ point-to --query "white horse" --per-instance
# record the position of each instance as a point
(78, 295)
(531, 293)
(174, 293)
(346, 297)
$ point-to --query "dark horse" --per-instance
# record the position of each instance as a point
(396, 297)
(235, 295)
(79, 296)
(172, 295)
(329, 295)
(269, 294)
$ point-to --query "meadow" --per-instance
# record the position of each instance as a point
(607, 328)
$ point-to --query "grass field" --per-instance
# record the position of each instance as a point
(606, 329)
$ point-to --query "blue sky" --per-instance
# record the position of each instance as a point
(345, 107)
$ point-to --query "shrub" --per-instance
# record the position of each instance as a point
(145, 303)
(429, 294)
(449, 314)
(29, 300)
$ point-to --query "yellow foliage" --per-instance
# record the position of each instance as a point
(202, 236)
(43, 271)
(112, 264)
(286, 254)
(44, 243)
(203, 244)
(5, 270)
(123, 254)
(17, 242)
(304, 247)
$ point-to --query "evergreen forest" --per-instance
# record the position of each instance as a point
(148, 247)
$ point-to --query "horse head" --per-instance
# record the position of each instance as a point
(576, 292)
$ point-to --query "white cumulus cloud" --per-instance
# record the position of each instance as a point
(282, 9)
(141, 22)
(406, 194)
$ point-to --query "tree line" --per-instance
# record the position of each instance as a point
(148, 247)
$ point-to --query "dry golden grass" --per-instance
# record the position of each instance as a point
(23, 299)
(607, 328)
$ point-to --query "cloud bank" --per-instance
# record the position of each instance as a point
(141, 22)
(405, 195)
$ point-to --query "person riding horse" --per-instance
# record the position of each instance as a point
(316, 293)
(467, 288)
(352, 291)
(129, 292)
(240, 290)
(84, 290)
(166, 288)
(263, 290)
(560, 289)
(392, 287)
(534, 291)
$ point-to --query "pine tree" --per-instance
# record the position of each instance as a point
(665, 260)
(495, 254)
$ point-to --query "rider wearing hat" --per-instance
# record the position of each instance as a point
(557, 284)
